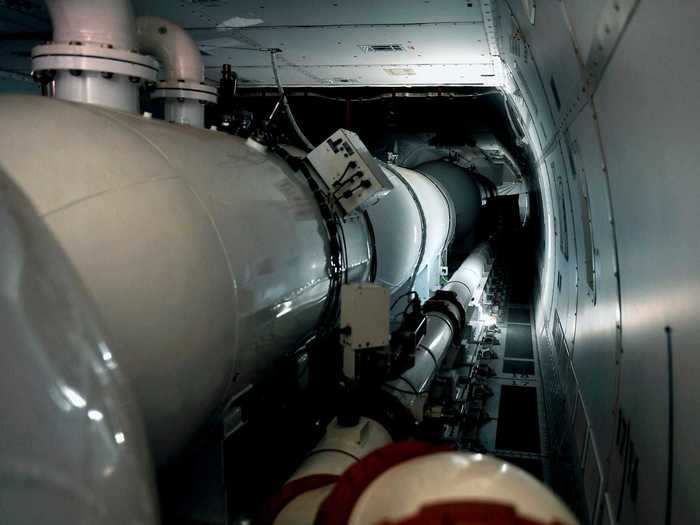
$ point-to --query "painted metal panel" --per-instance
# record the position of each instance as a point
(583, 17)
(565, 247)
(310, 12)
(551, 47)
(649, 128)
(444, 43)
(596, 325)
(456, 43)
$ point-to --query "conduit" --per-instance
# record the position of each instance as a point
(447, 314)
(182, 70)
(93, 57)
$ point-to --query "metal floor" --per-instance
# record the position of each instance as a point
(516, 430)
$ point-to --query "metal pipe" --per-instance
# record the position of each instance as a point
(142, 209)
(72, 446)
(285, 103)
(92, 57)
(413, 226)
(172, 46)
(462, 188)
(443, 329)
(182, 70)
(101, 22)
(208, 260)
(468, 276)
(340, 448)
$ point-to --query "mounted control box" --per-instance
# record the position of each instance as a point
(352, 176)
(364, 322)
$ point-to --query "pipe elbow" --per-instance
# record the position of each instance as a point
(172, 46)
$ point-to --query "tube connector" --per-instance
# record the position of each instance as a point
(182, 69)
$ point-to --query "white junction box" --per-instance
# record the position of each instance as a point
(352, 176)
(364, 321)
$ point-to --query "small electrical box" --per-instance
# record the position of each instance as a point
(364, 321)
(352, 176)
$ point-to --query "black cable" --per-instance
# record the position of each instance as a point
(337, 262)
(423, 223)
(400, 390)
(372, 247)
(412, 292)
(285, 103)
(412, 392)
(352, 178)
(336, 450)
(669, 481)
(430, 353)
(352, 164)
(345, 245)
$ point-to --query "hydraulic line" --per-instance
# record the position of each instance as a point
(283, 97)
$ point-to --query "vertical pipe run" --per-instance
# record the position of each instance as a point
(102, 22)
(340, 448)
(182, 69)
(92, 58)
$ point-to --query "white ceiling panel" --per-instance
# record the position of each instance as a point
(423, 44)
(388, 75)
(323, 42)
(211, 13)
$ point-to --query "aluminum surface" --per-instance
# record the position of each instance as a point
(207, 259)
(72, 447)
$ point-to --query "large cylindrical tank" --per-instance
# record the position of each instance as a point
(207, 259)
(464, 190)
(413, 226)
(72, 447)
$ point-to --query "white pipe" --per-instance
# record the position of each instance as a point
(340, 448)
(208, 260)
(412, 387)
(103, 22)
(457, 481)
(465, 280)
(413, 226)
(92, 58)
(462, 188)
(172, 46)
(182, 70)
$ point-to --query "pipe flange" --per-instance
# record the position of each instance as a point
(91, 57)
(188, 90)
(447, 303)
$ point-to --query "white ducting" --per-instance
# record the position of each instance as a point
(208, 259)
(182, 70)
(458, 487)
(464, 190)
(413, 226)
(466, 279)
(108, 23)
(446, 315)
(72, 446)
(92, 58)
(340, 448)
(172, 46)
